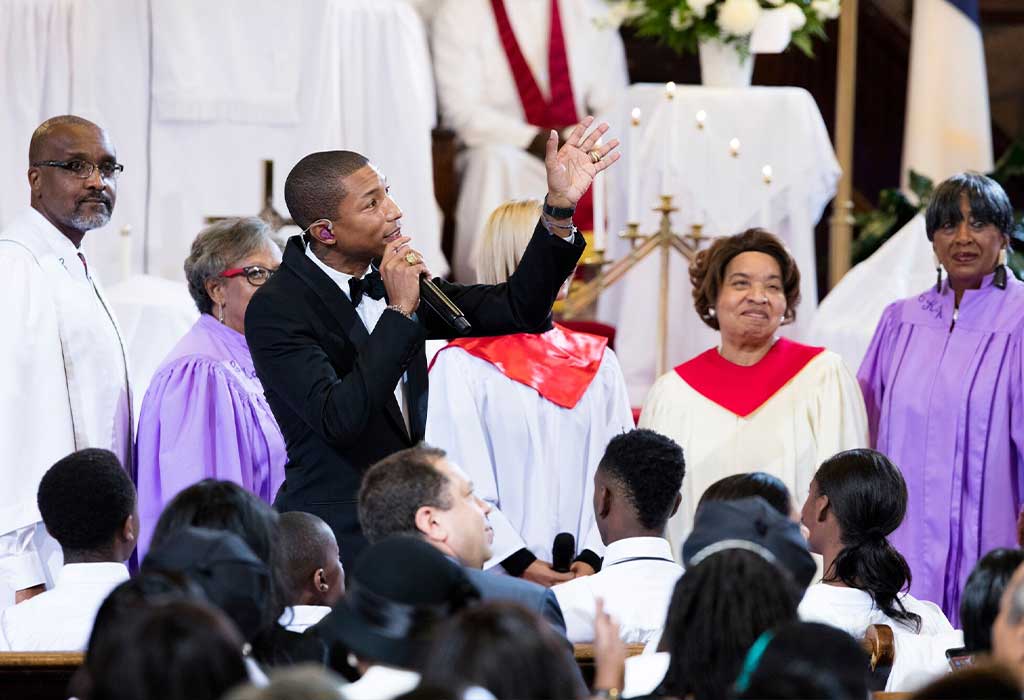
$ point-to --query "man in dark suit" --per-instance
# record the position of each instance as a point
(418, 492)
(343, 369)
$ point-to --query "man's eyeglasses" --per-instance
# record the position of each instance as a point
(255, 275)
(83, 169)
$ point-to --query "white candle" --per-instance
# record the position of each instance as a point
(633, 184)
(599, 202)
(766, 206)
(126, 252)
(669, 153)
(736, 184)
(702, 182)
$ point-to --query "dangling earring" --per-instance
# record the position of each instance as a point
(999, 279)
(221, 318)
(938, 275)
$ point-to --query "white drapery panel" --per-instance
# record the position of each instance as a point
(778, 127)
(363, 82)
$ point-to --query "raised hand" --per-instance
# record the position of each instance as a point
(571, 168)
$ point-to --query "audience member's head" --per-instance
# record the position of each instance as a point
(801, 660)
(719, 608)
(182, 650)
(130, 599)
(417, 491)
(636, 485)
(87, 501)
(310, 560)
(748, 485)
(1008, 628)
(506, 649)
(506, 234)
(226, 506)
(991, 681)
(401, 588)
(231, 576)
(857, 498)
(750, 523)
(301, 682)
(979, 603)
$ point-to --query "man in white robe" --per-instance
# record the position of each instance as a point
(63, 370)
(481, 102)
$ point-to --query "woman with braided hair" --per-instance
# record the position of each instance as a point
(857, 498)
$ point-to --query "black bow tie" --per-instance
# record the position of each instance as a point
(371, 285)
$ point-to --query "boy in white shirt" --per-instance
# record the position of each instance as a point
(88, 504)
(636, 491)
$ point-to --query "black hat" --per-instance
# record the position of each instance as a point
(399, 589)
(222, 564)
(751, 524)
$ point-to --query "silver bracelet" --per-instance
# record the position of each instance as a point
(399, 309)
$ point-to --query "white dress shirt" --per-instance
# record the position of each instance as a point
(61, 618)
(853, 610)
(381, 683)
(636, 583)
(299, 618)
(369, 311)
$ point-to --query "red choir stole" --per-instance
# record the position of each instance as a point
(743, 390)
(559, 364)
(560, 110)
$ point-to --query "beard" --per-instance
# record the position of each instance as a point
(83, 221)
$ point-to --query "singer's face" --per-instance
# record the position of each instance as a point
(469, 535)
(367, 218)
(752, 301)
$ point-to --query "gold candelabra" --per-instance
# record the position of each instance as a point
(641, 245)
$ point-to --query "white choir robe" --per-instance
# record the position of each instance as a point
(530, 459)
(63, 385)
(480, 102)
(818, 413)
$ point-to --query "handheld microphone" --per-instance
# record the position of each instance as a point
(443, 307)
(562, 551)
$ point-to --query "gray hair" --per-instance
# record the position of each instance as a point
(218, 246)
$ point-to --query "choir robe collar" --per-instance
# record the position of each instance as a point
(743, 390)
(558, 364)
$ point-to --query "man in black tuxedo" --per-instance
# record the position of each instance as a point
(344, 371)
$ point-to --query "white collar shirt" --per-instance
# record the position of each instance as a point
(369, 311)
(299, 618)
(61, 619)
(636, 583)
(381, 683)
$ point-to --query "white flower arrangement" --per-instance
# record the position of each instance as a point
(683, 24)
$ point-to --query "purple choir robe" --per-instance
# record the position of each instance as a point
(205, 416)
(947, 407)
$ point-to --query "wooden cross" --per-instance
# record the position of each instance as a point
(267, 213)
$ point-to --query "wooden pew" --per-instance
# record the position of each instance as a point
(880, 646)
(584, 654)
(37, 675)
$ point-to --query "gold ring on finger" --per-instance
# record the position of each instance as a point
(412, 258)
(595, 156)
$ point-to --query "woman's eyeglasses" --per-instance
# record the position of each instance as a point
(255, 275)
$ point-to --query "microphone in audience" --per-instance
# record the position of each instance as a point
(443, 306)
(562, 552)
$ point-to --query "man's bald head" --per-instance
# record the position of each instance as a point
(310, 560)
(62, 150)
(56, 128)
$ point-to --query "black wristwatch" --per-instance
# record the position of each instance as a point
(557, 212)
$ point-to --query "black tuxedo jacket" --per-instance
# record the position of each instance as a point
(331, 383)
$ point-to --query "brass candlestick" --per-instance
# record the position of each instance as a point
(642, 245)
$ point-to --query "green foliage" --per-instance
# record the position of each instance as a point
(678, 24)
(895, 210)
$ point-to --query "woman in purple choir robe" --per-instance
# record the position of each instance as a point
(943, 381)
(204, 415)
